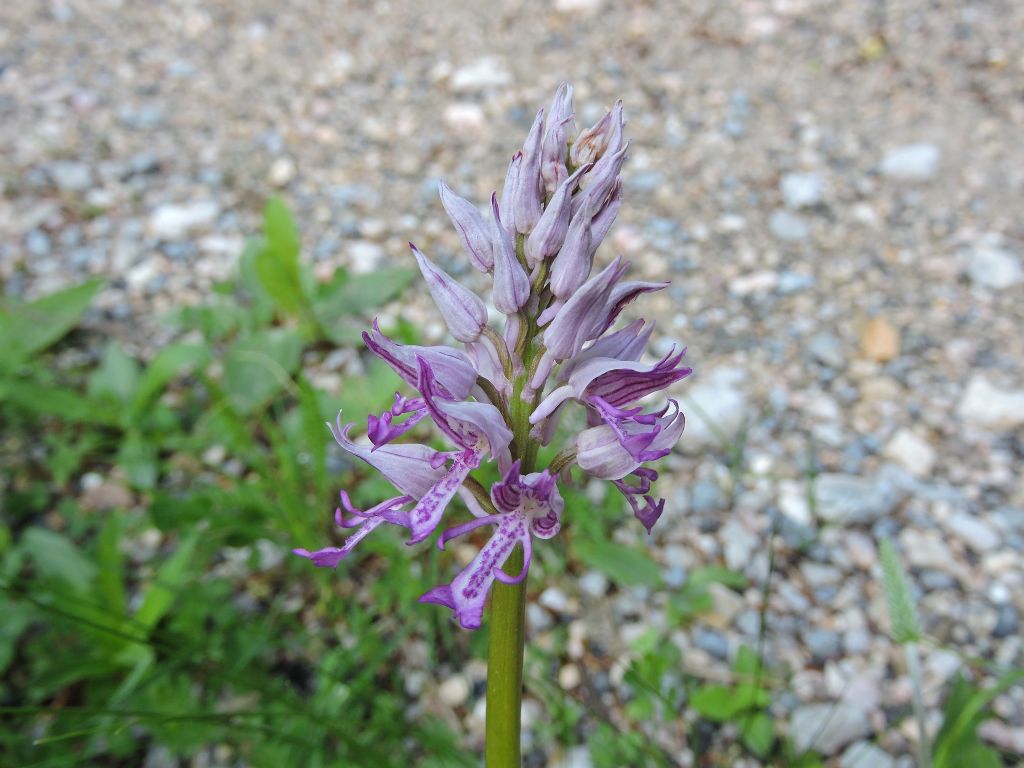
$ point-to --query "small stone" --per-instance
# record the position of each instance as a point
(214, 455)
(991, 267)
(365, 256)
(454, 691)
(824, 644)
(464, 116)
(173, 222)
(593, 584)
(37, 243)
(880, 340)
(793, 282)
(827, 348)
(985, 405)
(926, 549)
(282, 171)
(912, 452)
(861, 550)
(727, 605)
(788, 226)
(1007, 622)
(578, 6)
(577, 757)
(978, 536)
(71, 177)
(827, 728)
(864, 754)
(850, 499)
(739, 544)
(712, 643)
(721, 409)
(802, 190)
(482, 74)
(106, 496)
(569, 677)
(762, 281)
(911, 162)
(554, 599)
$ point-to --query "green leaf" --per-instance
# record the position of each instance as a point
(259, 366)
(167, 364)
(714, 702)
(17, 617)
(758, 734)
(906, 628)
(169, 582)
(67, 404)
(110, 583)
(623, 565)
(277, 261)
(966, 708)
(716, 574)
(56, 556)
(359, 294)
(746, 664)
(117, 376)
(138, 457)
(29, 328)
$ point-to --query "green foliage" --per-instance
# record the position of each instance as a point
(967, 707)
(694, 598)
(906, 627)
(29, 328)
(113, 642)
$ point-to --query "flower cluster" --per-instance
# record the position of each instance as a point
(500, 397)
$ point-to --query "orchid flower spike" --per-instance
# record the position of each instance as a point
(499, 399)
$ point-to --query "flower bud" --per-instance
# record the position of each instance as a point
(470, 226)
(462, 309)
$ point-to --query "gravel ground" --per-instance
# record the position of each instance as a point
(834, 189)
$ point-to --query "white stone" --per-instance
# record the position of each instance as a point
(173, 222)
(718, 409)
(762, 281)
(739, 544)
(849, 499)
(577, 757)
(727, 605)
(802, 190)
(992, 267)
(365, 256)
(71, 177)
(554, 599)
(793, 501)
(282, 171)
(578, 6)
(593, 583)
(569, 677)
(911, 162)
(788, 226)
(926, 549)
(464, 116)
(827, 727)
(912, 452)
(985, 405)
(978, 536)
(454, 691)
(481, 74)
(864, 754)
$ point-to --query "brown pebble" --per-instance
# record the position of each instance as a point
(880, 340)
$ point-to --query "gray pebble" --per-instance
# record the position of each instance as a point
(788, 226)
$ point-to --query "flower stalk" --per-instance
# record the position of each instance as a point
(501, 396)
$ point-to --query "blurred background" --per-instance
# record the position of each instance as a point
(834, 190)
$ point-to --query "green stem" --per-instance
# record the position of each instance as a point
(505, 668)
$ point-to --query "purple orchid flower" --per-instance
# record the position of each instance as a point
(500, 397)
